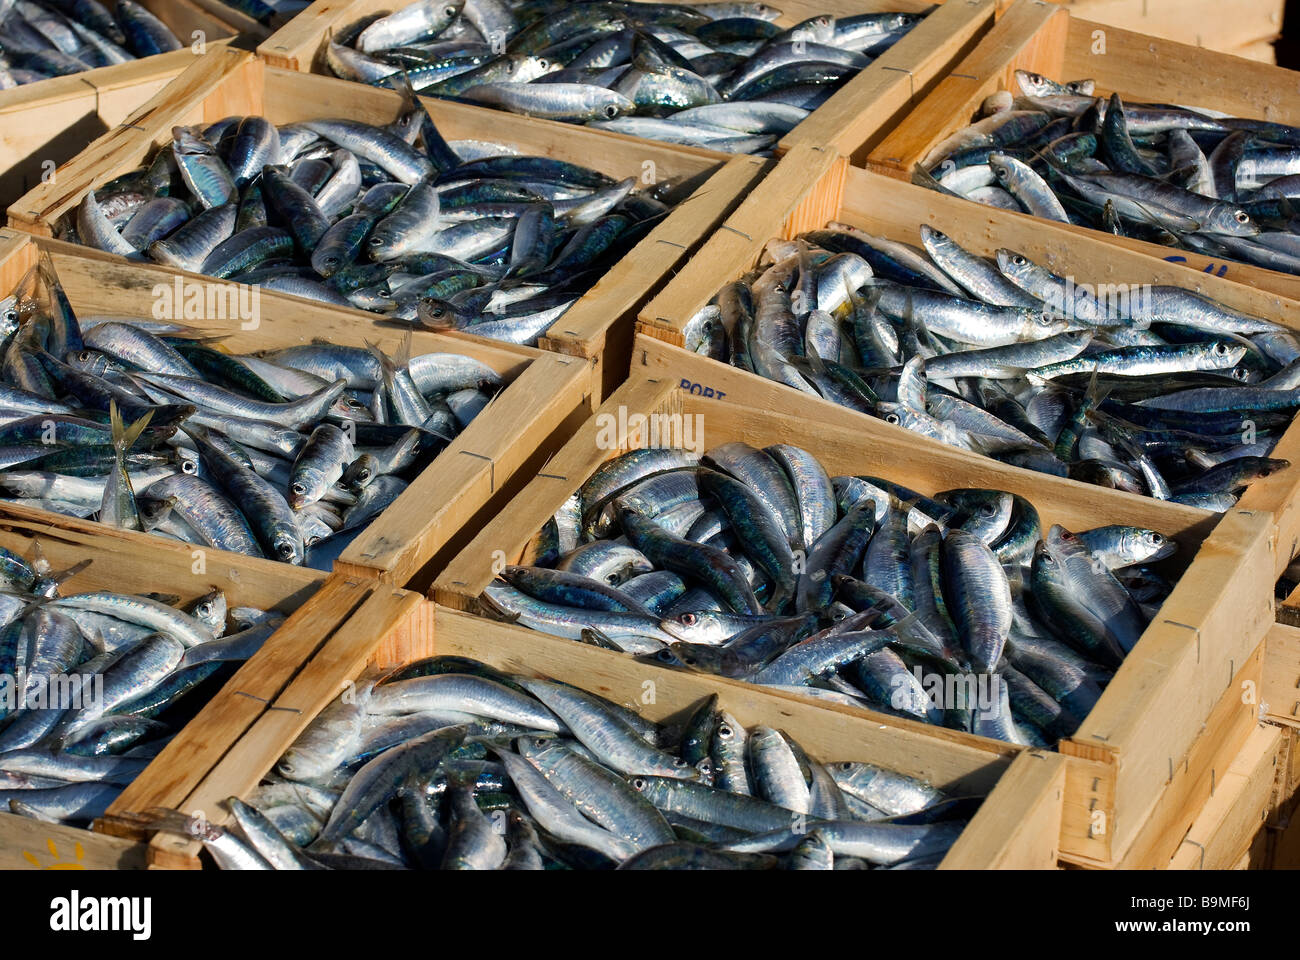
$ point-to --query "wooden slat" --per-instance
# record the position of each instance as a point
(1281, 687)
(1019, 826)
(1201, 23)
(1230, 820)
(32, 845)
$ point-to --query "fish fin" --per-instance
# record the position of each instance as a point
(923, 178)
(72, 571)
(40, 563)
(488, 607)
(598, 638)
(385, 362)
(124, 438)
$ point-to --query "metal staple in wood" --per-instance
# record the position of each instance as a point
(492, 468)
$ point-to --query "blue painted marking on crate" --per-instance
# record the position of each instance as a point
(701, 390)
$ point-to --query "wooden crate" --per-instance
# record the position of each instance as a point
(1227, 27)
(598, 328)
(1158, 713)
(1039, 36)
(122, 562)
(546, 396)
(1017, 828)
(45, 124)
(809, 189)
(850, 122)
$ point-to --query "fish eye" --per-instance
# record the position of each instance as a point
(689, 661)
(450, 11)
(678, 762)
(725, 731)
(1220, 349)
(893, 418)
(285, 550)
(1018, 260)
(1000, 172)
(376, 241)
(988, 510)
(1241, 216)
(364, 474)
(688, 619)
(298, 488)
(189, 467)
(611, 110)
(639, 783)
(846, 765)
(544, 63)
(1240, 374)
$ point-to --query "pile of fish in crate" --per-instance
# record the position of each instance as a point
(652, 507)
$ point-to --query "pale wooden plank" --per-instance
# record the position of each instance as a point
(1222, 832)
(27, 844)
(1200, 773)
(1019, 826)
(1280, 693)
(1200, 23)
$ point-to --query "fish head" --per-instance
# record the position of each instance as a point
(350, 408)
(1041, 324)
(89, 361)
(306, 486)
(1148, 545)
(439, 314)
(698, 656)
(360, 473)
(1224, 354)
(286, 544)
(1046, 566)
(1035, 84)
(1230, 220)
(1014, 265)
(211, 609)
(704, 626)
